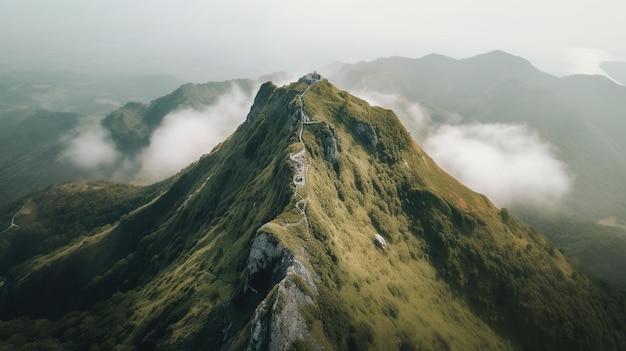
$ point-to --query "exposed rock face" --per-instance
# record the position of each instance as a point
(332, 145)
(268, 261)
(380, 241)
(367, 135)
(277, 322)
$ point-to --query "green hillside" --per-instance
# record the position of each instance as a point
(318, 224)
(581, 116)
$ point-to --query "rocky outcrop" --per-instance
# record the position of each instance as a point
(277, 322)
(267, 263)
(367, 135)
(380, 242)
(332, 145)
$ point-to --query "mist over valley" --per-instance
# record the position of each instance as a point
(312, 176)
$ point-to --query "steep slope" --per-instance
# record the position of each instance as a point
(581, 116)
(319, 224)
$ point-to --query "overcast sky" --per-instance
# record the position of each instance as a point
(201, 40)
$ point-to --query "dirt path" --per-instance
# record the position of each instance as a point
(300, 163)
(13, 225)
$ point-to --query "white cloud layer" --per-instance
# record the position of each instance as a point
(181, 138)
(185, 135)
(414, 117)
(91, 149)
(509, 163)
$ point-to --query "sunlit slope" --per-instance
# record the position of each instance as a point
(493, 266)
(238, 252)
(582, 116)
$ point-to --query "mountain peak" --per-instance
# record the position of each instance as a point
(274, 240)
(503, 62)
(437, 57)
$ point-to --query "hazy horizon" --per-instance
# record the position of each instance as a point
(199, 41)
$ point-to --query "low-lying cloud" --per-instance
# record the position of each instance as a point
(91, 149)
(182, 137)
(415, 118)
(509, 163)
(185, 135)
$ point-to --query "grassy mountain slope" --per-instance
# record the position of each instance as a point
(582, 116)
(51, 218)
(237, 253)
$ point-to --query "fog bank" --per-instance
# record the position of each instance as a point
(509, 163)
(185, 135)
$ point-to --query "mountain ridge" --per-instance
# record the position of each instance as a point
(131, 126)
(227, 255)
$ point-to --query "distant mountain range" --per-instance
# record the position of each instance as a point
(318, 224)
(582, 116)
